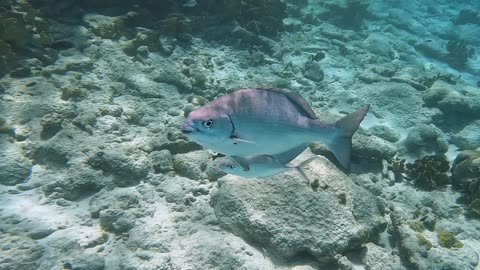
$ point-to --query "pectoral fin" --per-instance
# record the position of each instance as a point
(241, 140)
(243, 162)
(299, 167)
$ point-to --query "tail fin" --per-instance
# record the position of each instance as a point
(341, 145)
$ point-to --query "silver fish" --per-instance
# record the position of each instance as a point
(260, 166)
(268, 121)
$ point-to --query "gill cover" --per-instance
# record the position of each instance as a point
(213, 129)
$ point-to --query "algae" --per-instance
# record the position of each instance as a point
(447, 239)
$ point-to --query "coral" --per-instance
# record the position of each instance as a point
(422, 241)
(428, 173)
(416, 225)
(465, 177)
(447, 239)
(458, 53)
(426, 139)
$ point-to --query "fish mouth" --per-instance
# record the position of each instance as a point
(187, 128)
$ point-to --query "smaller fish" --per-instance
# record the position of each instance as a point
(260, 166)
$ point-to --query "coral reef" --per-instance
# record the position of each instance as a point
(95, 173)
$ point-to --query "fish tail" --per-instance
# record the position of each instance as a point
(341, 144)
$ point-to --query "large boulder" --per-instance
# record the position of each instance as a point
(289, 218)
(469, 137)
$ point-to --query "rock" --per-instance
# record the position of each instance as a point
(465, 171)
(413, 248)
(281, 213)
(398, 104)
(191, 165)
(385, 132)
(421, 251)
(141, 238)
(118, 198)
(81, 180)
(248, 38)
(211, 249)
(426, 139)
(313, 71)
(370, 77)
(8, 59)
(162, 161)
(117, 210)
(431, 49)
(141, 85)
(451, 101)
(371, 147)
(66, 253)
(146, 39)
(73, 93)
(173, 76)
(21, 72)
(14, 168)
(175, 191)
(40, 233)
(466, 165)
(409, 81)
(378, 258)
(51, 124)
(19, 252)
(116, 220)
(378, 44)
(212, 171)
(469, 137)
(104, 26)
(85, 121)
(128, 168)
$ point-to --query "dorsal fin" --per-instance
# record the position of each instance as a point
(295, 98)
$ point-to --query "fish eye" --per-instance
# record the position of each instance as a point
(231, 167)
(207, 123)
